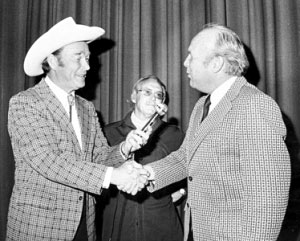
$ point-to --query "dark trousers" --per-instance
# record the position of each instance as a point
(81, 233)
(190, 236)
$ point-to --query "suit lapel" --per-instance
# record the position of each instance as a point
(55, 107)
(52, 103)
(217, 115)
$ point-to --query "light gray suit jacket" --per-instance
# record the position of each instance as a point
(52, 172)
(237, 165)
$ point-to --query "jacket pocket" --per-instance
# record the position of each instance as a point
(37, 198)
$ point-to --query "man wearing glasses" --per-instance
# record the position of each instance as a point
(144, 216)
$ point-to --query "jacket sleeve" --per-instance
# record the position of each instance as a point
(103, 153)
(265, 166)
(44, 145)
(173, 168)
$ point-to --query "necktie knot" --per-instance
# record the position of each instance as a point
(206, 107)
(71, 99)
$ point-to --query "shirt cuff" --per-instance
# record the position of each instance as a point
(107, 177)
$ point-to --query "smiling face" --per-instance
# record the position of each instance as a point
(69, 68)
(145, 98)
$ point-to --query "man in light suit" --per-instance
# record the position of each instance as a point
(61, 154)
(235, 160)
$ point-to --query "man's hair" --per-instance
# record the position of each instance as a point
(45, 65)
(139, 83)
(229, 46)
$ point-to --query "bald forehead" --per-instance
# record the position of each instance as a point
(205, 40)
(206, 36)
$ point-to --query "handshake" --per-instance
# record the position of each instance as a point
(131, 177)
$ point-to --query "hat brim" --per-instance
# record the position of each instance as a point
(63, 33)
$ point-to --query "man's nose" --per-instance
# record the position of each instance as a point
(86, 64)
(185, 63)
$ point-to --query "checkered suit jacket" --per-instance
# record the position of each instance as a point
(51, 171)
(237, 165)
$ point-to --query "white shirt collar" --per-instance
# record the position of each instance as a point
(220, 92)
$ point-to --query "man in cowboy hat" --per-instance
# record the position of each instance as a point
(61, 155)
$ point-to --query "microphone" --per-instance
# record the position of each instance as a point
(160, 112)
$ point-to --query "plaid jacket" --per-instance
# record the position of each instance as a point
(237, 165)
(51, 171)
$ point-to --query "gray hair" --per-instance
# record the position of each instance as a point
(229, 46)
(140, 82)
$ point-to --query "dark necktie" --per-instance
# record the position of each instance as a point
(206, 107)
(71, 100)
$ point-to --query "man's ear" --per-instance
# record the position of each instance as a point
(133, 97)
(217, 64)
(52, 61)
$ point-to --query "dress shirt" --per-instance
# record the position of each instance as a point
(219, 93)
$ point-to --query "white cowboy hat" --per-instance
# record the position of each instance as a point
(64, 32)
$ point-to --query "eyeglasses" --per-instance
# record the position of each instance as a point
(158, 95)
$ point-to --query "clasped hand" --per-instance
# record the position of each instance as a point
(130, 177)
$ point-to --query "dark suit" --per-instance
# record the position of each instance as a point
(237, 165)
(143, 217)
(52, 172)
